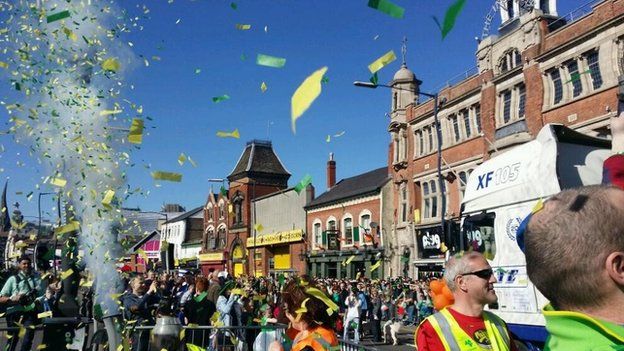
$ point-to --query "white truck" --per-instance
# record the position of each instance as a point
(502, 191)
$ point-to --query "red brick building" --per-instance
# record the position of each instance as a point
(228, 215)
(540, 69)
(347, 226)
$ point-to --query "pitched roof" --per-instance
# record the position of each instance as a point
(138, 223)
(185, 215)
(358, 185)
(258, 158)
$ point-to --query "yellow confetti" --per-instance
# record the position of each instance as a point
(328, 139)
(60, 182)
(120, 347)
(170, 176)
(349, 260)
(191, 161)
(142, 253)
(135, 136)
(41, 346)
(182, 334)
(234, 134)
(305, 94)
(538, 206)
(22, 332)
(181, 159)
(70, 35)
(4, 64)
(243, 26)
(66, 274)
(72, 226)
(375, 266)
(263, 87)
(47, 314)
(111, 64)
(108, 197)
(110, 112)
(382, 61)
(258, 227)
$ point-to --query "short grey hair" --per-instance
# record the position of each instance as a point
(458, 265)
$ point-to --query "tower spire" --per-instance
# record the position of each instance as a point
(404, 50)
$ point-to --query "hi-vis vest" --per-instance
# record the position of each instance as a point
(454, 338)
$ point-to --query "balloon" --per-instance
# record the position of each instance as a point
(447, 293)
(436, 286)
(440, 301)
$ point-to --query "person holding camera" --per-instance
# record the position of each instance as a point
(20, 292)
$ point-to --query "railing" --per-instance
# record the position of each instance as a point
(459, 78)
(205, 337)
(573, 16)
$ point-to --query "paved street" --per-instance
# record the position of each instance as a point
(406, 341)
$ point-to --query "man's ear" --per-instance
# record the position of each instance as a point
(615, 267)
(460, 281)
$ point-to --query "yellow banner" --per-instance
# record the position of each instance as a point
(214, 256)
(276, 238)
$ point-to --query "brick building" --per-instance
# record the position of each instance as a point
(347, 226)
(258, 172)
(539, 69)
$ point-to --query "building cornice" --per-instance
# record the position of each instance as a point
(342, 204)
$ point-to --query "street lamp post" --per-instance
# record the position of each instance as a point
(436, 102)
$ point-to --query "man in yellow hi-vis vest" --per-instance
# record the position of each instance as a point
(465, 326)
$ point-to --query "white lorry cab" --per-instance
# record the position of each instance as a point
(502, 191)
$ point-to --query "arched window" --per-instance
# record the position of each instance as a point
(317, 231)
(510, 60)
(331, 223)
(210, 238)
(210, 212)
(220, 239)
(238, 207)
(221, 209)
(347, 227)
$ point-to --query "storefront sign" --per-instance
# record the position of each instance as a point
(276, 238)
(214, 256)
(430, 242)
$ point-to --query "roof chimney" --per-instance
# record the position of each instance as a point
(331, 171)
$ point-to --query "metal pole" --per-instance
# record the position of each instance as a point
(253, 196)
(440, 178)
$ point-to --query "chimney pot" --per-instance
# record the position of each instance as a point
(331, 171)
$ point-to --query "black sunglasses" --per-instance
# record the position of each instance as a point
(483, 274)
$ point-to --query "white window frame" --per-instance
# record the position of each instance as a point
(343, 229)
(210, 210)
(222, 209)
(317, 237)
(437, 195)
(585, 79)
(367, 227)
(514, 107)
(403, 202)
(329, 219)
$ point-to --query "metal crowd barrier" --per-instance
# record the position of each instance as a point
(212, 338)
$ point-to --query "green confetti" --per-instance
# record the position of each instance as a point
(576, 76)
(233, 6)
(223, 191)
(450, 17)
(303, 183)
(57, 16)
(387, 7)
(243, 57)
(374, 79)
(218, 99)
(270, 61)
(201, 296)
(325, 79)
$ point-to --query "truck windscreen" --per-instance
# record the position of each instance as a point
(478, 234)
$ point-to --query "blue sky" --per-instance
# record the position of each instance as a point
(309, 34)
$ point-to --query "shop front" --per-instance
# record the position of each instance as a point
(214, 261)
(347, 264)
(280, 250)
(238, 260)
